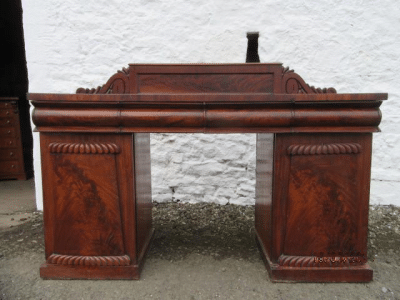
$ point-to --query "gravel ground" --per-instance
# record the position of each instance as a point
(200, 251)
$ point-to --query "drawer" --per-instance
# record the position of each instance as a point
(8, 142)
(8, 154)
(5, 122)
(9, 167)
(6, 113)
(7, 132)
(7, 104)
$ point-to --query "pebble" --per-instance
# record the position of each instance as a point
(384, 290)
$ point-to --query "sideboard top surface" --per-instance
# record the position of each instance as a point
(251, 97)
(244, 98)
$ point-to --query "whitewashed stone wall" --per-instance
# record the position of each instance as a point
(216, 168)
(350, 45)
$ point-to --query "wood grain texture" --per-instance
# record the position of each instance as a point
(279, 273)
(90, 209)
(319, 207)
(322, 205)
(86, 205)
(206, 83)
(264, 175)
(55, 271)
(144, 205)
(309, 100)
(201, 117)
(97, 180)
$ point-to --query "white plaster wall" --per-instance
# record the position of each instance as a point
(350, 45)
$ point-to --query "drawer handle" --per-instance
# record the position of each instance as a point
(9, 131)
(11, 153)
(8, 122)
(10, 142)
(12, 166)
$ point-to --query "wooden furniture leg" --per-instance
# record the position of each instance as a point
(312, 217)
(97, 205)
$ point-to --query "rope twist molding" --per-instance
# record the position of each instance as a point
(339, 148)
(59, 259)
(84, 148)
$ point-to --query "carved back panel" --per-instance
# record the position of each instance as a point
(201, 78)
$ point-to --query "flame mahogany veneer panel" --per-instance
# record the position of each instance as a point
(99, 183)
(206, 83)
(322, 205)
(319, 220)
(86, 205)
(204, 79)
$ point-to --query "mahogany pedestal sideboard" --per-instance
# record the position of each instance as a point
(312, 188)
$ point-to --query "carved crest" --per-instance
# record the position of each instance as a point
(292, 83)
(117, 84)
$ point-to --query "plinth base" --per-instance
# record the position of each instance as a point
(52, 271)
(70, 271)
(278, 273)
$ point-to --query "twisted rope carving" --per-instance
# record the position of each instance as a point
(59, 259)
(314, 261)
(339, 148)
(88, 148)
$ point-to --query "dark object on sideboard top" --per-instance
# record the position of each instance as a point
(252, 48)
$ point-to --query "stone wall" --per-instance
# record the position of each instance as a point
(350, 45)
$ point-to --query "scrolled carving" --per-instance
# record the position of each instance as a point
(117, 84)
(316, 261)
(84, 148)
(339, 148)
(292, 83)
(59, 259)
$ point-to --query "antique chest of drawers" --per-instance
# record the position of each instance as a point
(11, 150)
